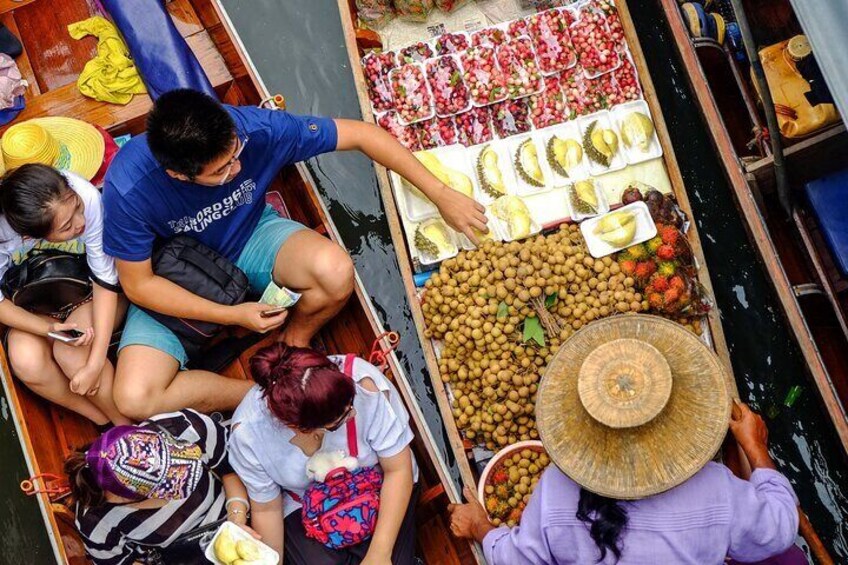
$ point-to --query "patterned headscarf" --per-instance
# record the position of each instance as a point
(138, 462)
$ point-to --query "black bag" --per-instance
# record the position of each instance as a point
(202, 271)
(48, 281)
(187, 549)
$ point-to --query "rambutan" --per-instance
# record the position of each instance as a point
(655, 300)
(492, 504)
(502, 491)
(515, 515)
(644, 269)
(671, 295)
(665, 252)
(499, 477)
(628, 267)
(667, 268)
(670, 235)
(659, 283)
(677, 282)
(653, 244)
(638, 252)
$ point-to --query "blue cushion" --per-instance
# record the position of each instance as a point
(162, 56)
(829, 199)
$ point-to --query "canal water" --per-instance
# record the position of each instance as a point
(298, 50)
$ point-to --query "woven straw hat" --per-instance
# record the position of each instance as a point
(64, 143)
(632, 406)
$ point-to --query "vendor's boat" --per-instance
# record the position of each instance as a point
(50, 63)
(794, 232)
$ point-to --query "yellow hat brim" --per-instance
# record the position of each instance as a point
(83, 146)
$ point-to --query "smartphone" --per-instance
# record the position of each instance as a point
(66, 336)
(273, 312)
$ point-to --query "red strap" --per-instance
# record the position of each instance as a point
(352, 444)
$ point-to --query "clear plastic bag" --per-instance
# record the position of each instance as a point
(375, 13)
(448, 6)
(413, 10)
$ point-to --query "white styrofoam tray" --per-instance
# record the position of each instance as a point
(635, 155)
(645, 230)
(268, 556)
(605, 121)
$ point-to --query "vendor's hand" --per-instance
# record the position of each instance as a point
(461, 213)
(751, 433)
(85, 339)
(248, 315)
(468, 519)
(242, 523)
(86, 381)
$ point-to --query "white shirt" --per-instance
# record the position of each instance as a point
(263, 456)
(13, 248)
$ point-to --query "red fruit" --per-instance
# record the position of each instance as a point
(670, 235)
(655, 300)
(628, 266)
(671, 295)
(644, 269)
(499, 477)
(515, 515)
(665, 252)
(676, 282)
(659, 283)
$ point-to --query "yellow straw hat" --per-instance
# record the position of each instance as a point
(631, 406)
(64, 143)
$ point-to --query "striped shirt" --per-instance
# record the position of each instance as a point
(109, 530)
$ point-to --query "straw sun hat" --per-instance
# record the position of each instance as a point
(64, 143)
(632, 406)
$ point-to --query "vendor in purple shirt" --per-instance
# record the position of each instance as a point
(632, 480)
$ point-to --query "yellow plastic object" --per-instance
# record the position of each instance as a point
(111, 76)
(795, 116)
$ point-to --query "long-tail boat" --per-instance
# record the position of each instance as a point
(792, 244)
(51, 63)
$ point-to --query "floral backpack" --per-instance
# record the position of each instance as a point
(342, 511)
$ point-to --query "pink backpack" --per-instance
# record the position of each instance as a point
(342, 511)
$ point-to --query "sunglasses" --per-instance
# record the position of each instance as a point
(242, 144)
(341, 421)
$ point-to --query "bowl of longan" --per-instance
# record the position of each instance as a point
(509, 479)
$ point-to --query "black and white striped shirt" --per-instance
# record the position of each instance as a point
(106, 529)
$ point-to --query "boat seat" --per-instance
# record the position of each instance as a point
(828, 197)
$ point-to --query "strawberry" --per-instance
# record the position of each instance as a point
(654, 244)
(644, 269)
(677, 283)
(659, 283)
(669, 235)
(628, 267)
(667, 268)
(665, 252)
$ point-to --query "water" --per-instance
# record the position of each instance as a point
(301, 54)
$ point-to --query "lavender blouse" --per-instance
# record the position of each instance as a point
(710, 516)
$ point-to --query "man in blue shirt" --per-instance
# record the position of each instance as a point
(202, 169)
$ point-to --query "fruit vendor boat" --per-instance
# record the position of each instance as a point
(50, 63)
(798, 231)
(596, 126)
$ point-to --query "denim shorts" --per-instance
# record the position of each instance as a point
(256, 260)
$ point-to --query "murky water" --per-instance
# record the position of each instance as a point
(298, 50)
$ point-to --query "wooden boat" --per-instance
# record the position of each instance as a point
(51, 63)
(792, 248)
(357, 42)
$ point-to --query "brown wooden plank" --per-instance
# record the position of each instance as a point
(8, 20)
(9, 5)
(754, 221)
(185, 18)
(56, 58)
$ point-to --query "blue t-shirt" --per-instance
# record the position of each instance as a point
(143, 203)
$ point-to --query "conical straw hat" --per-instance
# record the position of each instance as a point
(632, 406)
(64, 143)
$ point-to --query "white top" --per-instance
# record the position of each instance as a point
(263, 456)
(13, 248)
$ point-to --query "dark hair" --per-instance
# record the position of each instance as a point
(187, 129)
(84, 488)
(28, 195)
(304, 401)
(607, 519)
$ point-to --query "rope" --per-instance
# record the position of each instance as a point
(379, 354)
(50, 485)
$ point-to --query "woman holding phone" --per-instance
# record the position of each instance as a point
(62, 357)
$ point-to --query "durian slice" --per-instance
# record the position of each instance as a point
(584, 198)
(447, 175)
(600, 144)
(563, 155)
(489, 173)
(527, 164)
(433, 240)
(514, 213)
(618, 228)
(637, 130)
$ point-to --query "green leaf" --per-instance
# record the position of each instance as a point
(533, 331)
(455, 78)
(503, 310)
(550, 300)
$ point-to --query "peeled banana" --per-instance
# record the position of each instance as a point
(563, 155)
(618, 228)
(637, 130)
(514, 213)
(489, 173)
(527, 164)
(600, 144)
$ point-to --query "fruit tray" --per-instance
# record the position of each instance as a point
(493, 173)
(552, 41)
(564, 153)
(432, 241)
(474, 126)
(601, 143)
(636, 128)
(416, 53)
(601, 93)
(376, 67)
(608, 8)
(591, 38)
(645, 229)
(485, 80)
(267, 555)
(532, 173)
(517, 28)
(586, 199)
(406, 135)
(492, 36)
(438, 132)
(548, 107)
(486, 488)
(514, 218)
(494, 234)
(451, 43)
(627, 79)
(573, 88)
(413, 99)
(450, 93)
(517, 60)
(450, 165)
(511, 117)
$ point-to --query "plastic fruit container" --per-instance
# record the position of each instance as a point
(627, 79)
(552, 41)
(517, 28)
(613, 21)
(496, 464)
(548, 108)
(489, 37)
(517, 60)
(406, 135)
(376, 67)
(645, 229)
(438, 132)
(267, 555)
(413, 100)
(572, 83)
(616, 161)
(636, 154)
(451, 43)
(485, 80)
(415, 53)
(511, 117)
(474, 126)
(450, 93)
(600, 93)
(591, 37)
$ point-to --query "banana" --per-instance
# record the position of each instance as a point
(225, 547)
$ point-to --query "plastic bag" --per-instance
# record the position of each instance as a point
(448, 6)
(413, 10)
(375, 13)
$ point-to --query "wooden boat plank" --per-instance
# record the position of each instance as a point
(754, 221)
(185, 18)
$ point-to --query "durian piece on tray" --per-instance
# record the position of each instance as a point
(561, 147)
(586, 199)
(493, 234)
(638, 135)
(449, 165)
(492, 171)
(601, 143)
(528, 162)
(433, 241)
(619, 229)
(514, 218)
